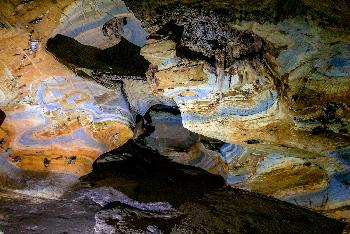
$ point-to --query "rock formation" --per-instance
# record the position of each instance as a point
(256, 93)
(272, 79)
(56, 120)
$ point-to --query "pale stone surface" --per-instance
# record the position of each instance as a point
(84, 21)
(8, 88)
(141, 98)
(282, 87)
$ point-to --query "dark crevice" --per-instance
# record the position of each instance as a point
(147, 119)
(185, 52)
(174, 32)
(170, 109)
(200, 197)
(2, 117)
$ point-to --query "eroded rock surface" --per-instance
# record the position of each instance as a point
(146, 193)
(56, 120)
(273, 86)
(262, 92)
(100, 24)
(249, 80)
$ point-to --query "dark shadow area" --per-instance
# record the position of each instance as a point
(206, 205)
(2, 117)
(261, 11)
(174, 32)
(121, 59)
(148, 177)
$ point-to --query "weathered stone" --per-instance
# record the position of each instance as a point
(277, 82)
(265, 88)
(56, 121)
(141, 98)
(100, 24)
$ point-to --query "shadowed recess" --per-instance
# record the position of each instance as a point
(121, 59)
(2, 117)
(203, 203)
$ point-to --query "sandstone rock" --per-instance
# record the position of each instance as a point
(8, 88)
(159, 53)
(100, 24)
(58, 121)
(241, 166)
(172, 140)
(141, 98)
(65, 124)
(270, 82)
(276, 83)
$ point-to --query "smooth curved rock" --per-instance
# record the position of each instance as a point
(65, 123)
(58, 121)
(141, 98)
(100, 24)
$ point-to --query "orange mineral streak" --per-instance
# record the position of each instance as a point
(58, 157)
(27, 69)
(74, 161)
(61, 130)
(112, 133)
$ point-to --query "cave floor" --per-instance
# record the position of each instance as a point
(140, 191)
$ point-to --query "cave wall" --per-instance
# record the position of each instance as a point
(268, 80)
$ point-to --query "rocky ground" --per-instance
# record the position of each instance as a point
(136, 190)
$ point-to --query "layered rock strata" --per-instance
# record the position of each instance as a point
(265, 87)
(272, 80)
(57, 121)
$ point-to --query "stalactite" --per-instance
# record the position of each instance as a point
(220, 73)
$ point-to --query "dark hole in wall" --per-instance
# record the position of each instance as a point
(121, 59)
(2, 117)
(175, 110)
(172, 30)
(3, 25)
(185, 52)
(289, 9)
(175, 33)
(147, 119)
